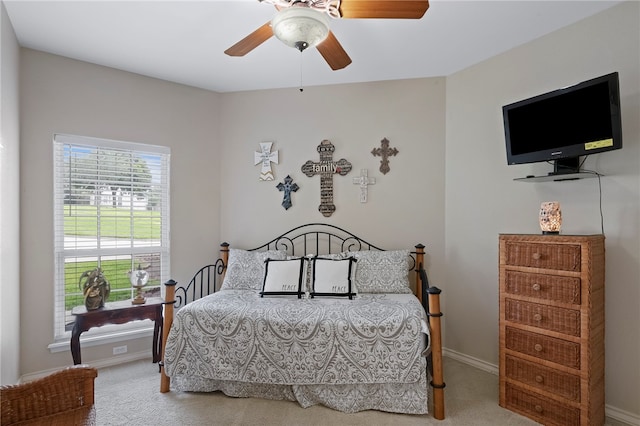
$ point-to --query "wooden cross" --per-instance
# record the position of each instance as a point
(326, 168)
(287, 187)
(364, 181)
(266, 157)
(384, 152)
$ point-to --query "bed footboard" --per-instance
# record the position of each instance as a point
(437, 382)
(170, 300)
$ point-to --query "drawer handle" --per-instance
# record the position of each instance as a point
(537, 317)
(539, 379)
(537, 256)
(536, 287)
(538, 408)
(537, 347)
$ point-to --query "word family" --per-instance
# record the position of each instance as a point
(325, 167)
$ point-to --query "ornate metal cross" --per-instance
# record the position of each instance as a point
(287, 187)
(384, 152)
(364, 181)
(266, 157)
(326, 168)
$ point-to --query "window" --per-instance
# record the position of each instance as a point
(111, 211)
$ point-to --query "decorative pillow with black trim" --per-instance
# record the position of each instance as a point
(307, 286)
(382, 271)
(333, 277)
(245, 269)
(283, 277)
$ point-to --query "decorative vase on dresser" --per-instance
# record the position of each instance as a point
(552, 327)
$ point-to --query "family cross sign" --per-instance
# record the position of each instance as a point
(326, 168)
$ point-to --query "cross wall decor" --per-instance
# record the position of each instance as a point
(266, 157)
(326, 168)
(288, 186)
(364, 181)
(385, 152)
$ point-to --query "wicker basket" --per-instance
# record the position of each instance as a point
(63, 398)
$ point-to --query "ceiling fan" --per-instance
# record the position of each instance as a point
(305, 23)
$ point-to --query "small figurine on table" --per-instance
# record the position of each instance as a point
(95, 288)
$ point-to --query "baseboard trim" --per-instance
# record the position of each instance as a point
(474, 362)
(101, 363)
(611, 412)
(622, 416)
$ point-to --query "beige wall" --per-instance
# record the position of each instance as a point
(61, 95)
(482, 200)
(404, 206)
(9, 203)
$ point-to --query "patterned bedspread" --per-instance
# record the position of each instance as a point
(234, 335)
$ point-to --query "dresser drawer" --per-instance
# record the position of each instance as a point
(562, 384)
(544, 410)
(545, 287)
(561, 257)
(547, 317)
(544, 347)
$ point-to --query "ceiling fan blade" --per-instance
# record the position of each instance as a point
(251, 41)
(332, 52)
(392, 9)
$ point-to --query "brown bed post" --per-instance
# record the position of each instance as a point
(224, 255)
(169, 301)
(436, 352)
(419, 263)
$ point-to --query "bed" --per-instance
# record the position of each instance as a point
(316, 315)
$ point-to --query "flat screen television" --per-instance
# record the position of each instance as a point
(565, 124)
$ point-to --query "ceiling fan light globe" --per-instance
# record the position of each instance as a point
(296, 26)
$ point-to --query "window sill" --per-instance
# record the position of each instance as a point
(105, 335)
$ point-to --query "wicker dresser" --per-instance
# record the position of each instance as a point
(552, 328)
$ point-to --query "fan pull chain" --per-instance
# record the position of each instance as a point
(301, 88)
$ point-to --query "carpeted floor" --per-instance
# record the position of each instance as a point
(129, 394)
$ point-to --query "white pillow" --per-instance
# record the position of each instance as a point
(283, 277)
(308, 284)
(245, 269)
(333, 277)
(382, 271)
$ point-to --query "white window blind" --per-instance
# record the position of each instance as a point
(111, 211)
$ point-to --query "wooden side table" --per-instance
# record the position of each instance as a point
(118, 313)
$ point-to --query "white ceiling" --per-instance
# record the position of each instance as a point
(183, 41)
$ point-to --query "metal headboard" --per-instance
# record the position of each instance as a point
(311, 238)
(317, 238)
